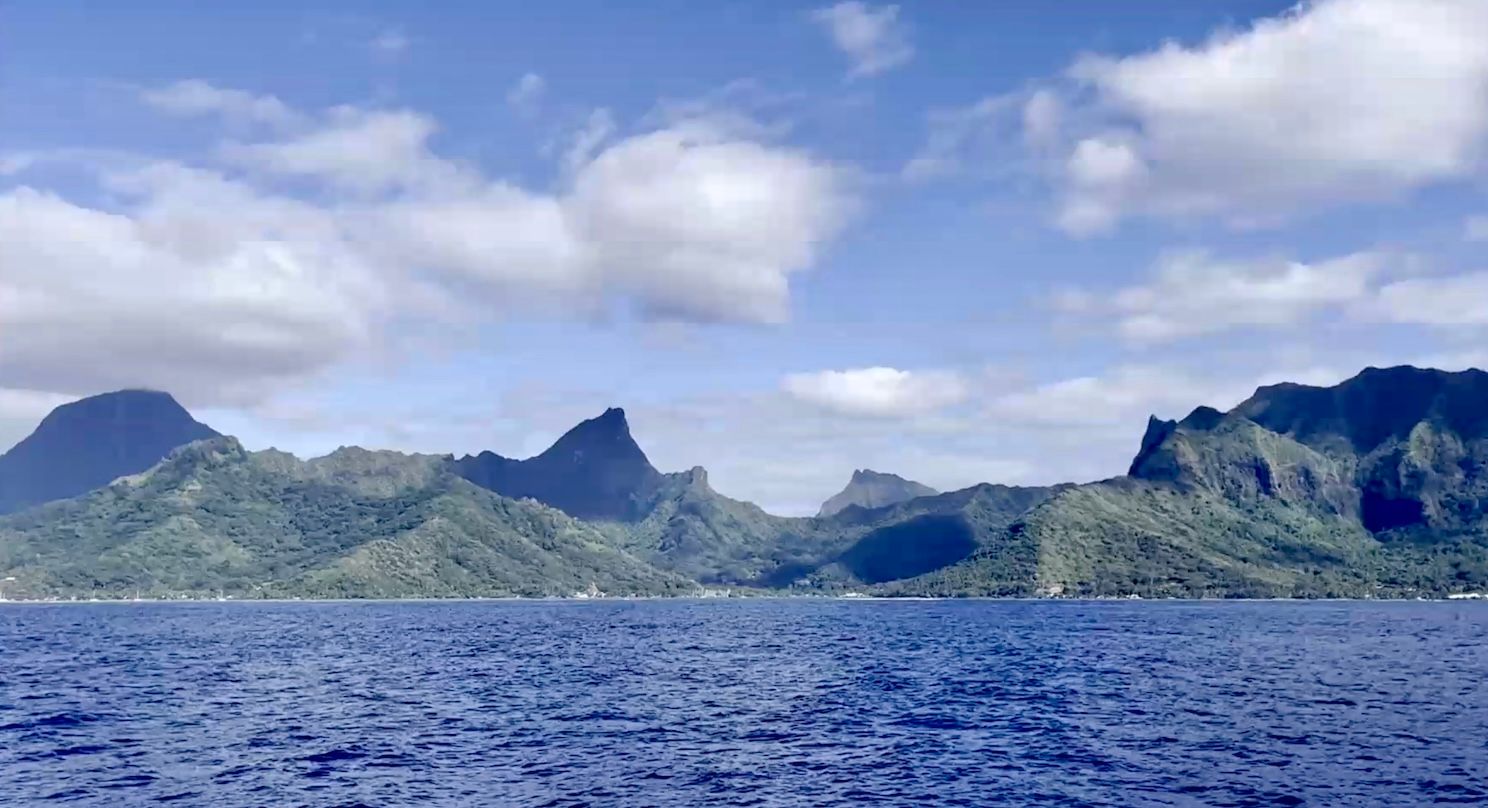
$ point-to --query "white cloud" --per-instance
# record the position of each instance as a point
(194, 97)
(1475, 228)
(1456, 300)
(1193, 292)
(499, 237)
(957, 136)
(349, 224)
(878, 391)
(697, 224)
(1121, 397)
(1013, 134)
(355, 149)
(597, 128)
(1043, 115)
(691, 222)
(744, 108)
(1118, 400)
(1336, 101)
(873, 37)
(526, 94)
(206, 289)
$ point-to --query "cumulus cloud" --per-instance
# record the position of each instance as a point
(498, 237)
(526, 94)
(878, 391)
(1122, 396)
(205, 289)
(698, 224)
(1193, 292)
(872, 37)
(1450, 301)
(194, 97)
(1252, 127)
(1299, 111)
(689, 223)
(295, 252)
(356, 149)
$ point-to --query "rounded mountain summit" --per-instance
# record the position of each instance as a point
(90, 443)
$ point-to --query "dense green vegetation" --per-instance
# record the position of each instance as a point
(1375, 488)
(216, 518)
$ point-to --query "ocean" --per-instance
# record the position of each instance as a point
(745, 702)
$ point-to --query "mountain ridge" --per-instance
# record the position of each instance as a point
(596, 470)
(214, 517)
(873, 489)
(1375, 487)
(1321, 495)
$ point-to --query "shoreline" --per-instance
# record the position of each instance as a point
(1476, 597)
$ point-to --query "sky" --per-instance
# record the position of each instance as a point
(961, 242)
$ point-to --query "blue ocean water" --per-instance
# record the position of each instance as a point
(766, 703)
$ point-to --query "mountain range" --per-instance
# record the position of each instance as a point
(1377, 487)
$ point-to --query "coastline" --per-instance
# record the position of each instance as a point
(1472, 597)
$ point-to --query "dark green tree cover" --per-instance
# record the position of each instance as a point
(1375, 488)
(216, 518)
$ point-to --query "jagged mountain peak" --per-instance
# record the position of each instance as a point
(596, 470)
(608, 433)
(1375, 406)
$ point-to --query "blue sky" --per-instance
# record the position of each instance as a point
(962, 242)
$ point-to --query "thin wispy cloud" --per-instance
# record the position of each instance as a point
(874, 38)
(526, 94)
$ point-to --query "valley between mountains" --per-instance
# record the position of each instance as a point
(1376, 487)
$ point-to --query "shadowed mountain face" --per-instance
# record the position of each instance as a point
(1377, 485)
(89, 443)
(872, 489)
(1398, 449)
(1374, 407)
(214, 517)
(595, 471)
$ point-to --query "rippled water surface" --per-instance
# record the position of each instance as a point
(745, 703)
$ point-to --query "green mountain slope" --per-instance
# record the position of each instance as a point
(1375, 487)
(697, 532)
(354, 524)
